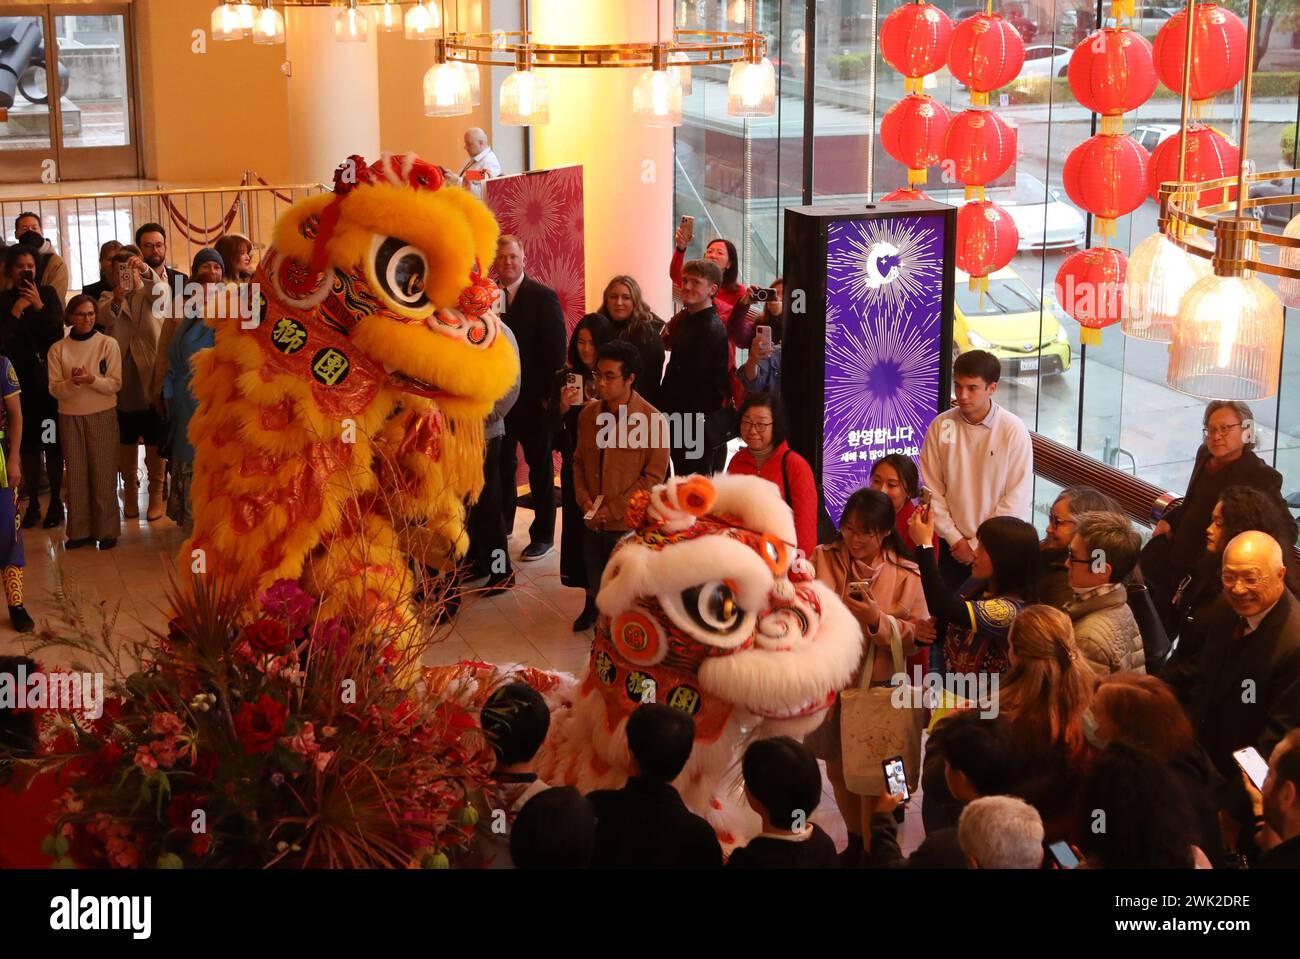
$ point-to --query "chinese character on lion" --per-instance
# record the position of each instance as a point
(340, 428)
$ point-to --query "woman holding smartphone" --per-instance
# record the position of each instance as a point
(574, 385)
(867, 569)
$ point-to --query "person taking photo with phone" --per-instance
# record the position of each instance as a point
(31, 321)
(761, 371)
(868, 568)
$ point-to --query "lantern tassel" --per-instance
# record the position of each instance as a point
(978, 99)
(1113, 125)
(913, 85)
(980, 285)
(974, 193)
(1103, 227)
(1123, 8)
(1089, 337)
(916, 177)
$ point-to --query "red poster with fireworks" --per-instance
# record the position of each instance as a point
(544, 209)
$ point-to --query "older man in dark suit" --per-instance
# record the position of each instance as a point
(532, 311)
(1242, 687)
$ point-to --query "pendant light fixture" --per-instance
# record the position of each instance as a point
(751, 88)
(388, 18)
(657, 96)
(446, 86)
(1228, 339)
(351, 25)
(268, 25)
(226, 23)
(525, 94)
(423, 21)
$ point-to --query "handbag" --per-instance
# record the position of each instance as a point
(873, 728)
(721, 427)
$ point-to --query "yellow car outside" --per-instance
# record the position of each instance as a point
(1011, 321)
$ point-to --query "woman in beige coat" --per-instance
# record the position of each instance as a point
(868, 569)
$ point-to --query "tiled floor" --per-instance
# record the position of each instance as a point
(533, 624)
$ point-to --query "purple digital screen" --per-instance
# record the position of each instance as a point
(884, 334)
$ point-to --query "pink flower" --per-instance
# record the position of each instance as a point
(122, 853)
(166, 724)
(145, 760)
(165, 751)
(303, 742)
(323, 760)
(333, 635)
(285, 600)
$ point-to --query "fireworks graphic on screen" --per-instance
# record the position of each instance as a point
(883, 335)
(885, 265)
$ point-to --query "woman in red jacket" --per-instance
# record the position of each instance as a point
(766, 454)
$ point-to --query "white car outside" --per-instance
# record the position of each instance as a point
(1044, 220)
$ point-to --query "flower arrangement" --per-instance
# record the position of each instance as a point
(271, 739)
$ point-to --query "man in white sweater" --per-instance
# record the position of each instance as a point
(977, 462)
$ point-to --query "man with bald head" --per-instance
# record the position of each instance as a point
(1242, 687)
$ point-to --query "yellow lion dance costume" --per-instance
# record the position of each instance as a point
(343, 431)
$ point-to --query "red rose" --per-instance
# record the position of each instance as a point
(260, 724)
(266, 636)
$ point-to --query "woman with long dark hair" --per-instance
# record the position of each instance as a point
(632, 320)
(567, 401)
(867, 568)
(1003, 581)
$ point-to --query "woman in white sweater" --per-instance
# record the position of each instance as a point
(85, 376)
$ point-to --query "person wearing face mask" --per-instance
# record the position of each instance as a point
(31, 321)
(51, 270)
(190, 336)
(633, 321)
(868, 569)
(1252, 643)
(1054, 551)
(85, 375)
(1103, 552)
(1226, 458)
(567, 401)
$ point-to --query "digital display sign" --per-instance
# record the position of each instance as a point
(884, 336)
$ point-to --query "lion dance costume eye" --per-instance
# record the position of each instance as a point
(754, 647)
(340, 429)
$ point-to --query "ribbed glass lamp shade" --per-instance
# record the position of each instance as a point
(446, 91)
(525, 99)
(1288, 288)
(352, 26)
(1159, 275)
(751, 89)
(226, 23)
(422, 21)
(657, 99)
(475, 81)
(388, 18)
(683, 73)
(268, 28)
(1228, 340)
(247, 15)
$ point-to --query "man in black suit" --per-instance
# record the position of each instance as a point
(1242, 687)
(646, 824)
(532, 311)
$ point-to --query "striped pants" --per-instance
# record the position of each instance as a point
(90, 445)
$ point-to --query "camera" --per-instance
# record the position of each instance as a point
(765, 295)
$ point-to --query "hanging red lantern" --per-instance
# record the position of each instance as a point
(913, 131)
(1107, 176)
(1210, 156)
(986, 241)
(979, 148)
(1090, 287)
(986, 53)
(914, 41)
(1111, 73)
(1218, 51)
(905, 195)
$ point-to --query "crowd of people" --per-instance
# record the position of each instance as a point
(939, 566)
(89, 380)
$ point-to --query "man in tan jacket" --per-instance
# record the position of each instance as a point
(622, 447)
(133, 315)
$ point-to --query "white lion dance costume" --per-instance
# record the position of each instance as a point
(706, 606)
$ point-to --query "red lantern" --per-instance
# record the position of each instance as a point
(986, 241)
(986, 52)
(913, 131)
(905, 195)
(1090, 287)
(979, 148)
(1209, 157)
(1112, 72)
(1218, 51)
(914, 41)
(1107, 176)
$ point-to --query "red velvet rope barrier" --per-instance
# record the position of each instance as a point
(207, 233)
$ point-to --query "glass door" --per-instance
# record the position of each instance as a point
(89, 48)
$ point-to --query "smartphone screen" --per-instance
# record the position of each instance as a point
(1064, 855)
(1253, 764)
(896, 777)
(925, 497)
(575, 381)
(764, 334)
